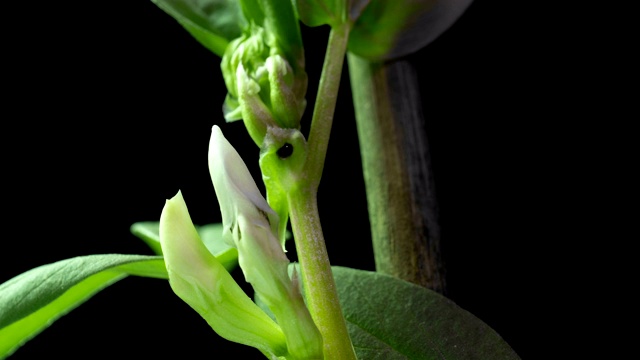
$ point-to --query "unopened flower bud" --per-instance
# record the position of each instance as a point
(198, 278)
(264, 89)
(254, 229)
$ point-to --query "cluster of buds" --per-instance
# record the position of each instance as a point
(251, 226)
(263, 70)
(266, 85)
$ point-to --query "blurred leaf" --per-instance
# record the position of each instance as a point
(321, 12)
(381, 24)
(387, 30)
(384, 30)
(214, 23)
(280, 18)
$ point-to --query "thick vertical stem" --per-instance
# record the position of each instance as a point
(400, 193)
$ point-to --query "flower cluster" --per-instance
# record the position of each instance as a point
(252, 227)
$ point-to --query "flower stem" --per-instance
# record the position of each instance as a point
(326, 102)
(320, 287)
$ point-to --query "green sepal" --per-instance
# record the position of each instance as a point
(281, 174)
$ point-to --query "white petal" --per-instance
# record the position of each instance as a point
(235, 189)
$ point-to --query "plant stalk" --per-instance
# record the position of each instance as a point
(319, 285)
(397, 171)
(325, 104)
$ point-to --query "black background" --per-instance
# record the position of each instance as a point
(111, 106)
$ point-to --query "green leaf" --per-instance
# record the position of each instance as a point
(382, 25)
(321, 12)
(210, 234)
(149, 232)
(214, 23)
(33, 300)
(389, 318)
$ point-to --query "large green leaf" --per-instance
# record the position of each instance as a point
(389, 318)
(214, 23)
(382, 29)
(33, 300)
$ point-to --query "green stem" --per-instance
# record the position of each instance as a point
(320, 287)
(326, 102)
(397, 172)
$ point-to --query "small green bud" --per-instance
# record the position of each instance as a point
(257, 117)
(288, 106)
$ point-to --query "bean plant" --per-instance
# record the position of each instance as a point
(307, 309)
